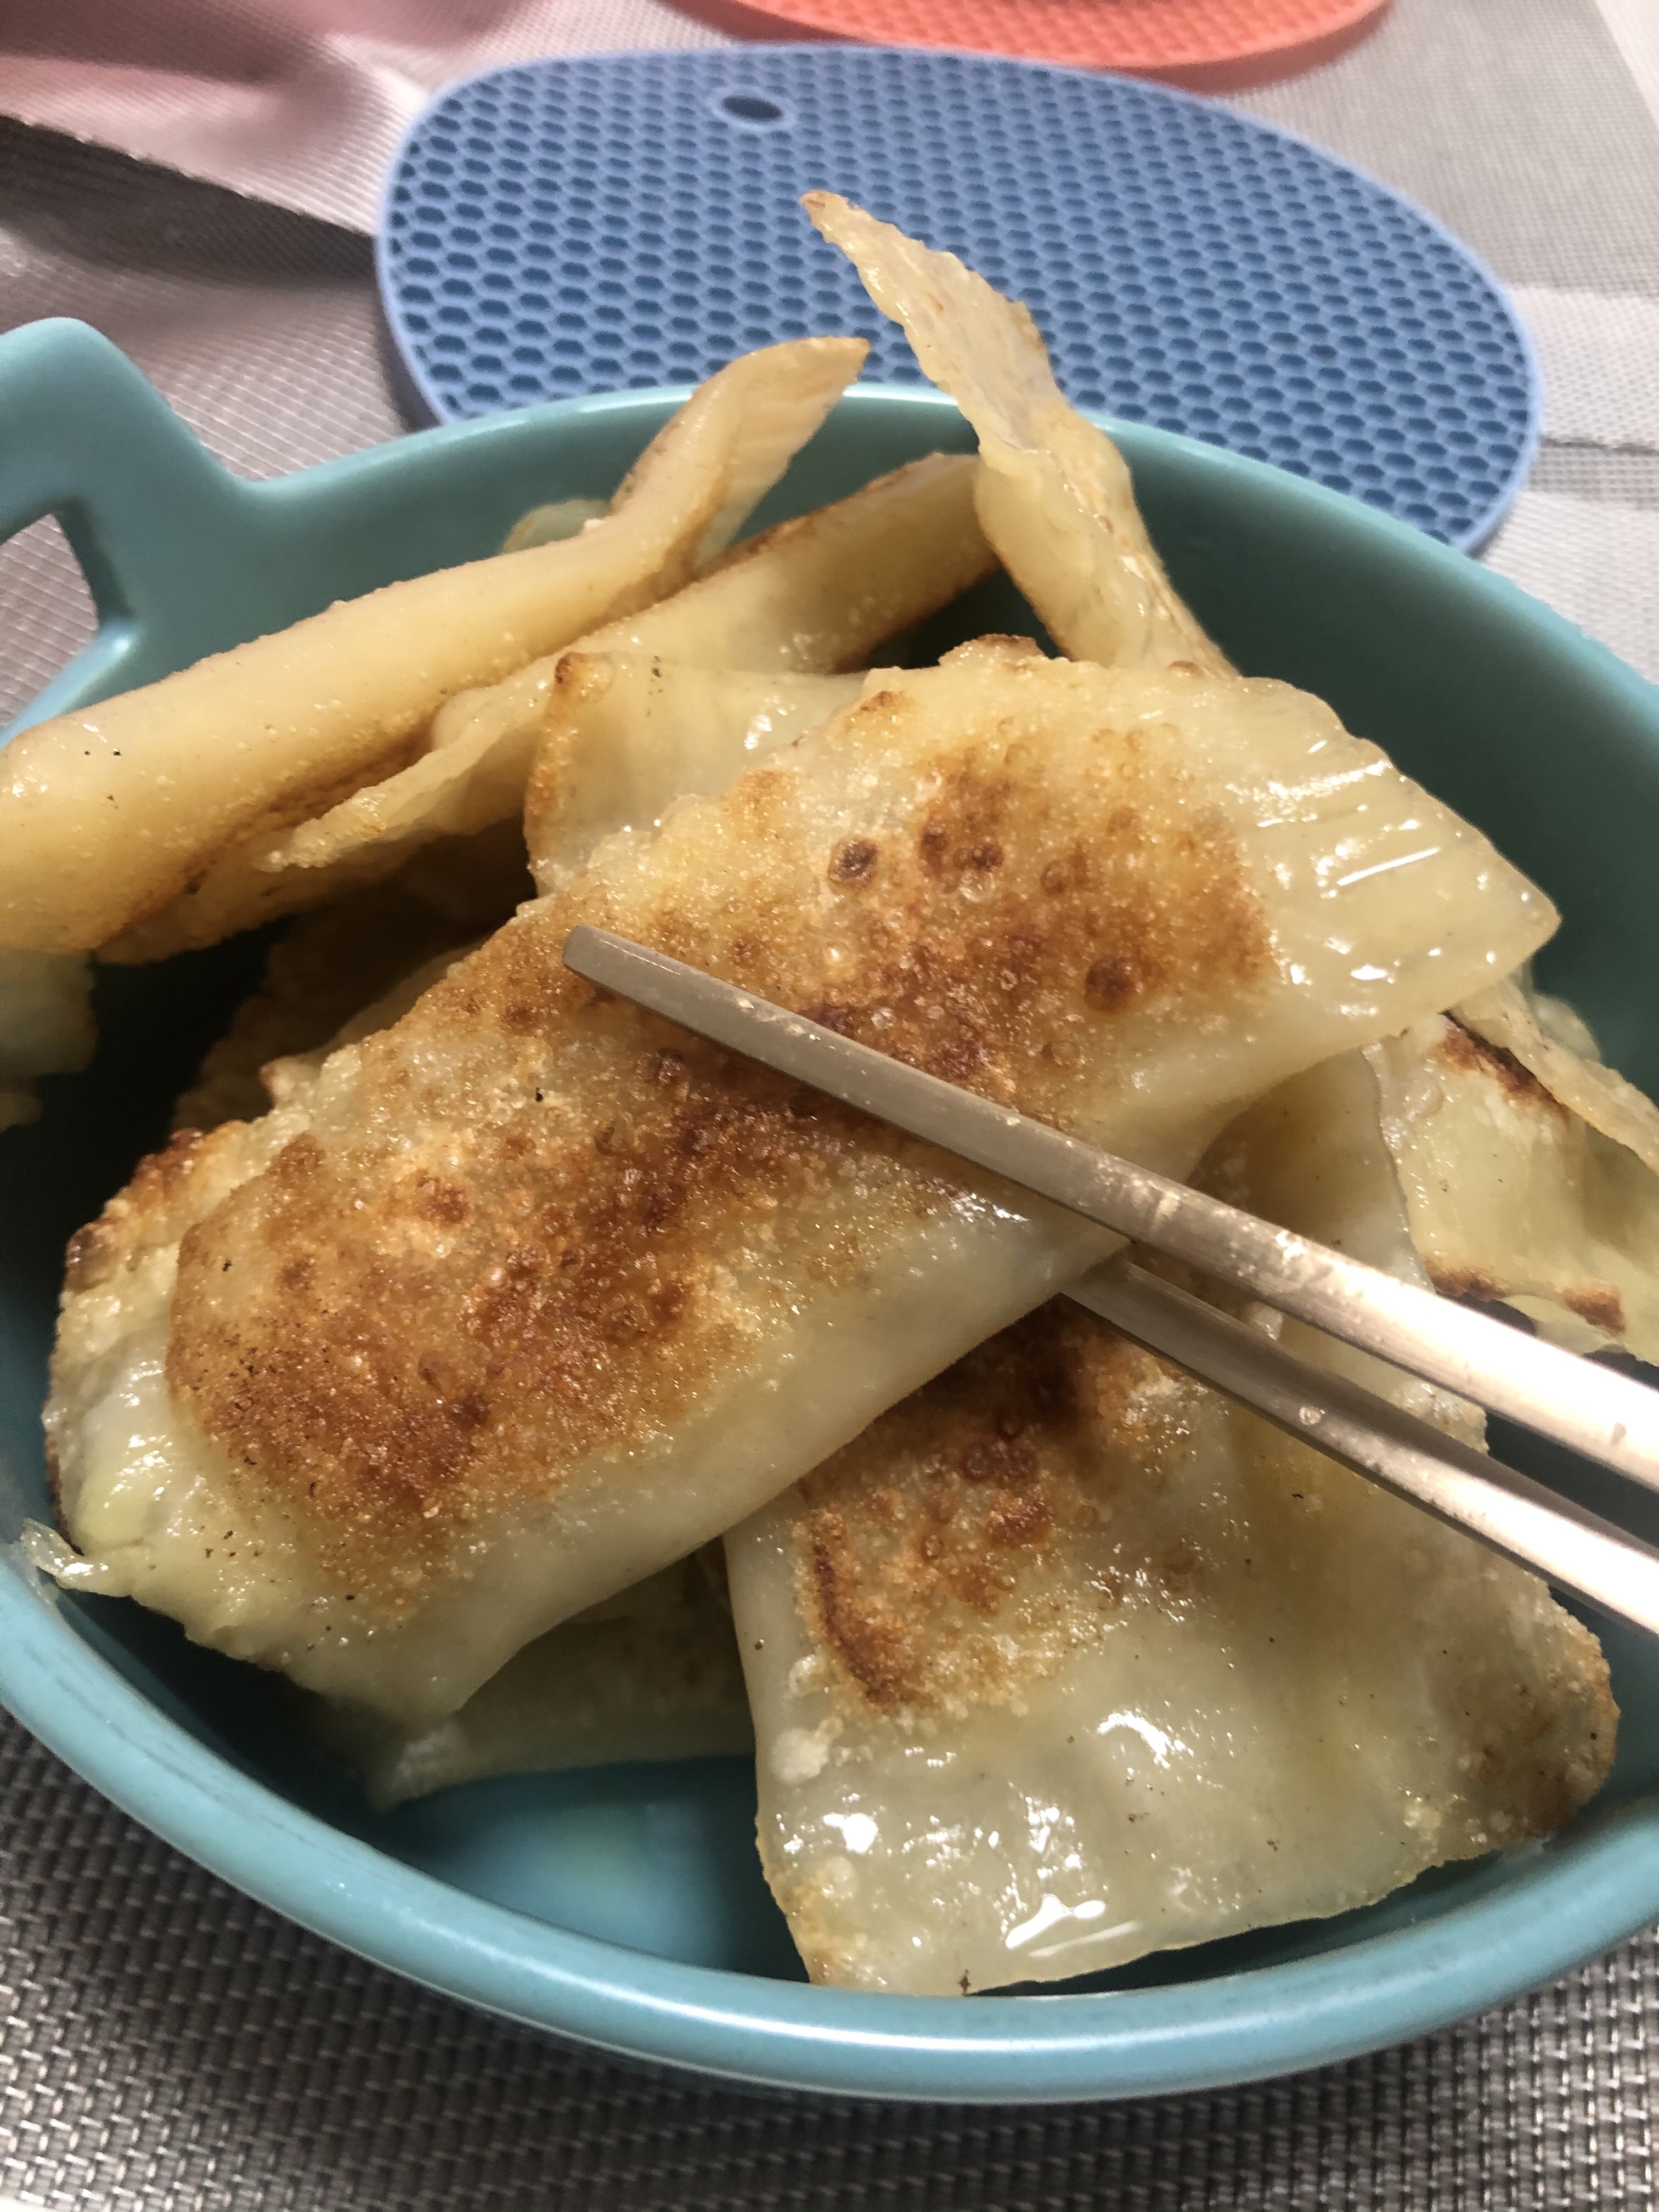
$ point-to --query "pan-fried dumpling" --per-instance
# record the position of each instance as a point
(1066, 1659)
(1512, 1196)
(1053, 492)
(1555, 1046)
(625, 735)
(552, 523)
(142, 825)
(651, 1674)
(530, 1294)
(816, 593)
(332, 963)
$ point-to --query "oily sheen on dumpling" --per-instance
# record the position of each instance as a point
(1066, 1659)
(530, 1294)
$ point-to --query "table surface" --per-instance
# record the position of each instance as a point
(164, 2042)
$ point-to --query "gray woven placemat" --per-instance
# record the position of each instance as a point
(165, 2043)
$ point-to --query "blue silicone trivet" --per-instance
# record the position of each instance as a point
(631, 220)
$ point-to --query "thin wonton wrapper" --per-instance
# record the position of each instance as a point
(531, 1294)
(45, 1026)
(818, 592)
(1066, 1659)
(137, 826)
(1054, 493)
(652, 1674)
(626, 736)
(1512, 1197)
(1571, 1070)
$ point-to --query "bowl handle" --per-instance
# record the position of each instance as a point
(142, 502)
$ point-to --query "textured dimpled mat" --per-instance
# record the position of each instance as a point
(1209, 46)
(631, 220)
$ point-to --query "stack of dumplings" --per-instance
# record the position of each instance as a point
(535, 1386)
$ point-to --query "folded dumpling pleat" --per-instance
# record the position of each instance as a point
(530, 1294)
(652, 1674)
(1516, 1192)
(1053, 492)
(1066, 1659)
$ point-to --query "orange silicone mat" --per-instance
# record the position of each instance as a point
(1208, 45)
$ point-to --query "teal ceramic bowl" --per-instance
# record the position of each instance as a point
(624, 1906)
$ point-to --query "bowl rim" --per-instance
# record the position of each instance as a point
(1560, 1905)
(1559, 1908)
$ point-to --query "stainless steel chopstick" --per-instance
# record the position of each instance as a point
(1589, 1409)
(1506, 1510)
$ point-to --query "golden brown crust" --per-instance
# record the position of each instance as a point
(1570, 1712)
(993, 910)
(1465, 1049)
(1472, 1285)
(533, 1236)
(925, 1545)
(1600, 1304)
(390, 1417)
(137, 1215)
(1006, 1519)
